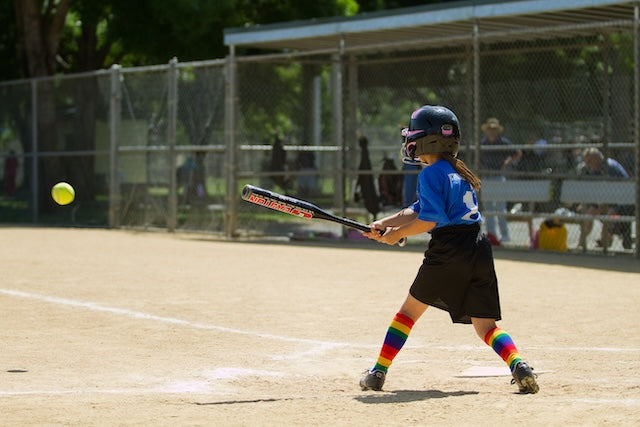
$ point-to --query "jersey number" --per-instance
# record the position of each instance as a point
(471, 203)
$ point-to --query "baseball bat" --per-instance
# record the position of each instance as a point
(299, 208)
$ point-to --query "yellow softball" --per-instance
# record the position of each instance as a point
(63, 193)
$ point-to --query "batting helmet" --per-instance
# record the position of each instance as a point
(433, 129)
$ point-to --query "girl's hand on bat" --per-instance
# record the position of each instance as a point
(386, 235)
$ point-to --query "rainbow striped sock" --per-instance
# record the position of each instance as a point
(397, 335)
(502, 344)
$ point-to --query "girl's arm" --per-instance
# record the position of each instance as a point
(402, 224)
(399, 218)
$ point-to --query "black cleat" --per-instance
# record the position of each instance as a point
(525, 378)
(372, 380)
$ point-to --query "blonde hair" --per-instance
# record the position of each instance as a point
(463, 170)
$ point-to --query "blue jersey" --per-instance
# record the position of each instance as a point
(445, 197)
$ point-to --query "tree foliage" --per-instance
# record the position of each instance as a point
(44, 37)
(10, 67)
(63, 36)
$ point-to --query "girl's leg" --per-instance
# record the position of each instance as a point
(497, 339)
(504, 346)
(398, 332)
(413, 308)
(396, 336)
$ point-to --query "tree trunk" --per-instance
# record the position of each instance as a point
(39, 35)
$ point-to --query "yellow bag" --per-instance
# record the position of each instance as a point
(552, 235)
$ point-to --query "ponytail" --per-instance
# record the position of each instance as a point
(463, 170)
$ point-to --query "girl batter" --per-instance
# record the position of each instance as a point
(457, 273)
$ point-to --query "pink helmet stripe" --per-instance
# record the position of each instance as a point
(410, 133)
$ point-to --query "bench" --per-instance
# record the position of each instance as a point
(598, 193)
(525, 191)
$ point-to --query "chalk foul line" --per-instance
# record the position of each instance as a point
(321, 346)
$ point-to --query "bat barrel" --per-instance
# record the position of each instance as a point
(297, 207)
(246, 191)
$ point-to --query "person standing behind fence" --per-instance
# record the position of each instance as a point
(365, 185)
(308, 182)
(279, 163)
(497, 160)
(410, 184)
(11, 172)
(390, 184)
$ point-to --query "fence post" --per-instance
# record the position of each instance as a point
(636, 116)
(470, 112)
(172, 110)
(35, 186)
(114, 142)
(351, 127)
(231, 212)
(476, 96)
(338, 134)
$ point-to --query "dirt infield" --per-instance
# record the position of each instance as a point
(104, 327)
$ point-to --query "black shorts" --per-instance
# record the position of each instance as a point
(458, 275)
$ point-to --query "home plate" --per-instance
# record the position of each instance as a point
(488, 371)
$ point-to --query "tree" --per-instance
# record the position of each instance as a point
(252, 12)
(154, 31)
(65, 36)
(40, 26)
(10, 65)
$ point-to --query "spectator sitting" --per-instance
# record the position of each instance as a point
(594, 164)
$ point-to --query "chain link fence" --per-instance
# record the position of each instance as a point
(170, 146)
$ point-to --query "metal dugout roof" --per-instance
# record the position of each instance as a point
(440, 23)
